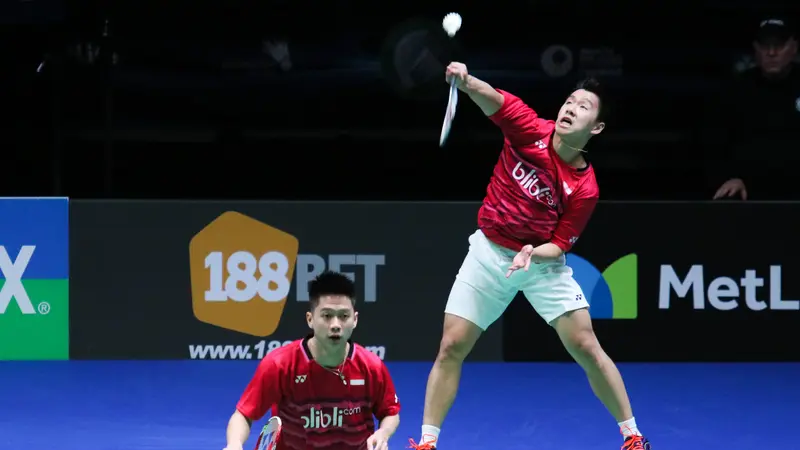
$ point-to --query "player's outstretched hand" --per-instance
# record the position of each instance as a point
(456, 71)
(732, 188)
(378, 441)
(521, 261)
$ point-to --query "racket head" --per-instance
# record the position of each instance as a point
(449, 114)
(268, 439)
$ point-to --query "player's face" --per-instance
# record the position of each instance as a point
(333, 320)
(578, 115)
(775, 57)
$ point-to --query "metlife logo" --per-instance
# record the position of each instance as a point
(753, 290)
(689, 280)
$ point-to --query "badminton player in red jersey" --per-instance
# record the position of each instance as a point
(326, 389)
(540, 197)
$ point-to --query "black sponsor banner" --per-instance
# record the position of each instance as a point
(705, 282)
(205, 280)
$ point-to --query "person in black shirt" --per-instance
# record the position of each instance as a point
(760, 125)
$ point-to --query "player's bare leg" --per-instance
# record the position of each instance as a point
(458, 339)
(575, 331)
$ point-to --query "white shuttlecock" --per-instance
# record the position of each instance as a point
(451, 23)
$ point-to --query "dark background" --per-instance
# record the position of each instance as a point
(177, 100)
(180, 101)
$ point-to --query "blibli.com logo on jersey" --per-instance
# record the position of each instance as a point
(317, 418)
(528, 178)
(611, 294)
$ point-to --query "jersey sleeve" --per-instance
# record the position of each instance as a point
(576, 215)
(262, 392)
(519, 123)
(386, 401)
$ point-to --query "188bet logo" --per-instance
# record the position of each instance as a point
(241, 270)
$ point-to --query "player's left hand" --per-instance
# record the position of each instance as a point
(521, 261)
(378, 441)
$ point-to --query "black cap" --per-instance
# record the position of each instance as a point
(774, 30)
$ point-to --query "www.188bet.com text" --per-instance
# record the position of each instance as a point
(257, 351)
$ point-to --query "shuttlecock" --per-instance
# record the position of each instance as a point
(451, 23)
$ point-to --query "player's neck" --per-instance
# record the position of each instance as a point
(570, 152)
(325, 356)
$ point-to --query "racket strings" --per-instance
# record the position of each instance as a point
(268, 441)
(270, 434)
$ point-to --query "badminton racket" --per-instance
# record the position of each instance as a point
(450, 113)
(268, 439)
(451, 25)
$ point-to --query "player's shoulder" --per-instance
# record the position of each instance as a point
(365, 357)
(285, 355)
(513, 105)
(586, 183)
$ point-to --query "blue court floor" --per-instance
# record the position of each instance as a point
(81, 405)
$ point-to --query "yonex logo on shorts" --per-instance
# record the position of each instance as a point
(611, 294)
(241, 270)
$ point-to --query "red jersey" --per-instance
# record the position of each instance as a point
(318, 407)
(534, 197)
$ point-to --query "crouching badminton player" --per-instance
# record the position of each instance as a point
(326, 390)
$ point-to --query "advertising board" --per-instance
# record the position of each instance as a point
(228, 280)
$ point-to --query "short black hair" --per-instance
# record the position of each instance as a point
(594, 86)
(330, 283)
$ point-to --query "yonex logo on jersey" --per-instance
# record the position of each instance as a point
(540, 144)
(317, 418)
(300, 379)
(240, 271)
(612, 294)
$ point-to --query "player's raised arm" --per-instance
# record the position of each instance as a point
(488, 99)
(520, 124)
(261, 393)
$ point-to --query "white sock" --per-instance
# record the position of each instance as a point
(629, 427)
(429, 434)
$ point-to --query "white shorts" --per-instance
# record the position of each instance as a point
(481, 292)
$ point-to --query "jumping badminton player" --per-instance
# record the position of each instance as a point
(326, 389)
(539, 199)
